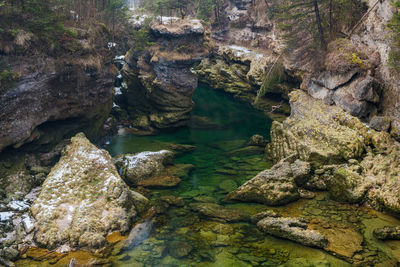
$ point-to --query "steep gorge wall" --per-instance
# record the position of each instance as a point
(374, 37)
(159, 83)
(62, 93)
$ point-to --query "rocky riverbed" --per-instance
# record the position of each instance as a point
(197, 222)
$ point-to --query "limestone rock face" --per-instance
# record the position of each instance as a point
(332, 81)
(83, 199)
(62, 91)
(239, 70)
(317, 133)
(356, 94)
(135, 168)
(350, 160)
(275, 186)
(372, 37)
(384, 170)
(159, 84)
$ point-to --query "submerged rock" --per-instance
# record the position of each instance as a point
(83, 200)
(228, 185)
(257, 140)
(139, 233)
(219, 212)
(160, 181)
(275, 186)
(179, 249)
(135, 168)
(343, 240)
(388, 232)
(294, 229)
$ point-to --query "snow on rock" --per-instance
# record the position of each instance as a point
(6, 216)
(17, 205)
(118, 91)
(83, 199)
(27, 223)
(120, 57)
(175, 27)
(138, 21)
(239, 51)
(135, 168)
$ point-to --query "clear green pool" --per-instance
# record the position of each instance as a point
(183, 237)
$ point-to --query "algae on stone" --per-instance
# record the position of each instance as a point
(83, 199)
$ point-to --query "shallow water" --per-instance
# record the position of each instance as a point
(183, 237)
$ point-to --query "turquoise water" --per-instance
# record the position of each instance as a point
(182, 235)
(225, 125)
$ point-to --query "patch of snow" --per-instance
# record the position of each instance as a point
(111, 45)
(118, 91)
(63, 248)
(240, 51)
(119, 76)
(115, 105)
(138, 20)
(124, 85)
(120, 57)
(17, 205)
(27, 223)
(6, 216)
(167, 20)
(132, 161)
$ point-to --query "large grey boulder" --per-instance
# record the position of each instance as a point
(380, 123)
(332, 80)
(83, 200)
(276, 186)
(135, 168)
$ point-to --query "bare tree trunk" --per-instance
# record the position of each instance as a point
(320, 29)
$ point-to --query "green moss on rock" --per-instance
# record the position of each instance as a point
(83, 199)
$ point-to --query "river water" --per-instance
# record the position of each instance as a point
(183, 236)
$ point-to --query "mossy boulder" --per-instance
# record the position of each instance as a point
(135, 168)
(83, 199)
(347, 185)
(275, 186)
(317, 133)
